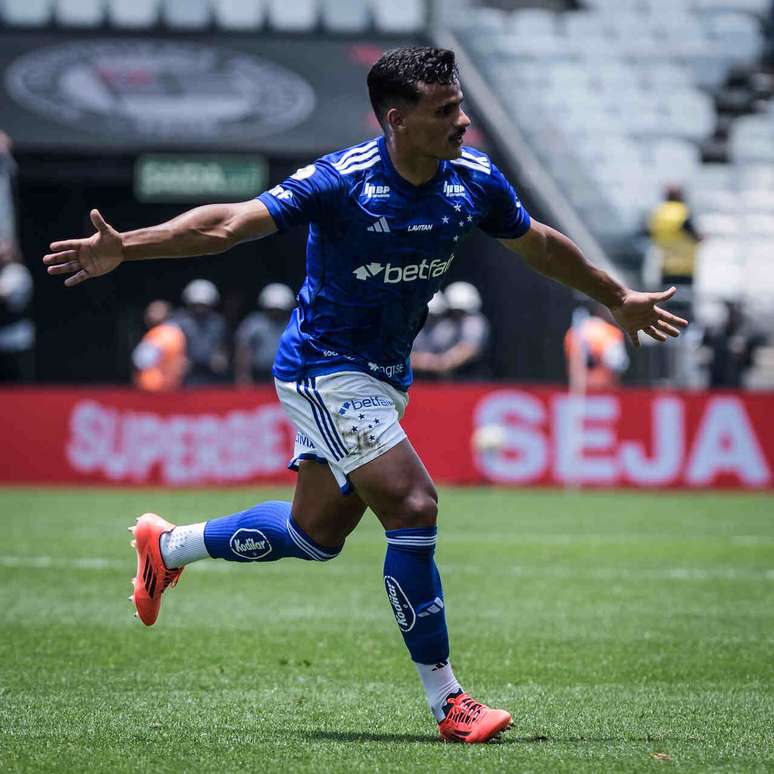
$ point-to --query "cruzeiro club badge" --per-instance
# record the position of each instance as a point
(401, 607)
(160, 90)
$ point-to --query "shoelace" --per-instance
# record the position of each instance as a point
(465, 710)
(171, 579)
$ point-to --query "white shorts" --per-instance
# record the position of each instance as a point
(346, 419)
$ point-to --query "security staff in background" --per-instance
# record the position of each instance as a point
(205, 334)
(258, 335)
(159, 359)
(675, 237)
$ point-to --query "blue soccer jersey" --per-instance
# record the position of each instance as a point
(378, 249)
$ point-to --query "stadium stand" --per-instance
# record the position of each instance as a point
(620, 97)
(393, 17)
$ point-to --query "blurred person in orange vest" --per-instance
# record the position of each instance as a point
(159, 359)
(595, 352)
(673, 234)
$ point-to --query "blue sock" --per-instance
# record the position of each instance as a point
(264, 533)
(414, 589)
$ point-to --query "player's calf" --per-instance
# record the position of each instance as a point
(264, 533)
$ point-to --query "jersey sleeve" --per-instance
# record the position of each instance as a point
(506, 218)
(304, 197)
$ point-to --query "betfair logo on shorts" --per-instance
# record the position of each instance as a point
(358, 404)
(392, 275)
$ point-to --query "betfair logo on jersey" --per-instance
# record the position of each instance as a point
(453, 189)
(376, 191)
(395, 274)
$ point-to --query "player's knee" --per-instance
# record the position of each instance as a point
(419, 509)
(329, 544)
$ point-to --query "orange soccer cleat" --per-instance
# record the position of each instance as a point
(153, 577)
(470, 721)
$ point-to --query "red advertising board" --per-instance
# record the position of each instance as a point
(468, 434)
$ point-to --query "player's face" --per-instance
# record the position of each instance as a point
(436, 124)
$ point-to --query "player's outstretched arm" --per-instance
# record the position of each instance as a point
(556, 256)
(206, 230)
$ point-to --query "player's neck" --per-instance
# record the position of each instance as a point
(415, 169)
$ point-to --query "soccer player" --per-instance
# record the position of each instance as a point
(385, 218)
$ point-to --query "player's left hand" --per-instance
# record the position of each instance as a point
(640, 312)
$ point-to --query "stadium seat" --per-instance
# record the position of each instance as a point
(585, 24)
(754, 175)
(757, 7)
(26, 13)
(760, 224)
(133, 14)
(190, 15)
(752, 139)
(533, 21)
(236, 15)
(719, 268)
(345, 16)
(298, 16)
(399, 16)
(79, 13)
(692, 114)
(717, 224)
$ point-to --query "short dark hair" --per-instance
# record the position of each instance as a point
(396, 75)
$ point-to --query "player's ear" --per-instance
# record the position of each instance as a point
(395, 119)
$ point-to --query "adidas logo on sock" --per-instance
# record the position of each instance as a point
(433, 607)
(380, 226)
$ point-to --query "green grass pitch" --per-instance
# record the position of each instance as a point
(625, 632)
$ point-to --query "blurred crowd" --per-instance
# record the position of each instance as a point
(192, 346)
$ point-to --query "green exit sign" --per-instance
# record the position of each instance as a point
(197, 178)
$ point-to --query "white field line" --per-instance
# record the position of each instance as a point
(554, 571)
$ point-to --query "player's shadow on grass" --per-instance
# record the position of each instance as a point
(360, 736)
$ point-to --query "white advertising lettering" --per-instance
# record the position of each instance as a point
(726, 443)
(519, 438)
(523, 452)
(126, 445)
(668, 442)
(585, 439)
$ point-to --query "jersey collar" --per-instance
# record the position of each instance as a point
(400, 182)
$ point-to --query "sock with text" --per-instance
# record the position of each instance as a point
(264, 533)
(414, 590)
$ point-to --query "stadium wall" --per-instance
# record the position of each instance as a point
(466, 434)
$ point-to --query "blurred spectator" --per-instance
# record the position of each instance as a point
(7, 191)
(435, 337)
(159, 359)
(674, 239)
(259, 334)
(595, 350)
(17, 331)
(453, 342)
(730, 349)
(205, 334)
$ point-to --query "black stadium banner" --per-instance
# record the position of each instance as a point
(269, 95)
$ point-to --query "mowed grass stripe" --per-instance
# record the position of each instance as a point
(616, 626)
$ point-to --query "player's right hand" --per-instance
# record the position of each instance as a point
(83, 259)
